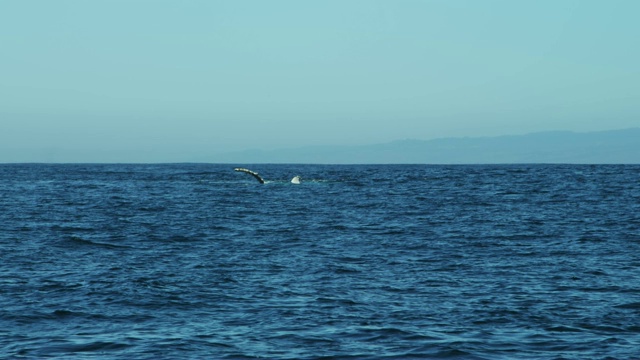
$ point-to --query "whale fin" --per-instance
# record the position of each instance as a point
(252, 173)
(295, 180)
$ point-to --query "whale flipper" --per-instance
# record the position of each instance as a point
(253, 173)
(295, 180)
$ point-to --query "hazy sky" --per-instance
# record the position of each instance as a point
(158, 80)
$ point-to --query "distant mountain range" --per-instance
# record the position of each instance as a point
(603, 147)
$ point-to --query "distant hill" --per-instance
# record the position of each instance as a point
(603, 147)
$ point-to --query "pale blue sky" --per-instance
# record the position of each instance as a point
(158, 80)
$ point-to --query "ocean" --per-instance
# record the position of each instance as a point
(197, 261)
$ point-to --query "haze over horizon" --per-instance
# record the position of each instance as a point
(158, 80)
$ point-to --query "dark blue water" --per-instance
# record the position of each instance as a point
(376, 262)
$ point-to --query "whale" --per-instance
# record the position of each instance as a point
(252, 173)
(295, 180)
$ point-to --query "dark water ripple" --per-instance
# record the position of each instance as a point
(374, 262)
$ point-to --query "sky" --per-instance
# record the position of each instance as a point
(164, 81)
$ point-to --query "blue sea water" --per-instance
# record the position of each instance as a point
(357, 262)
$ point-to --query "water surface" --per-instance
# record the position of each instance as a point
(377, 262)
